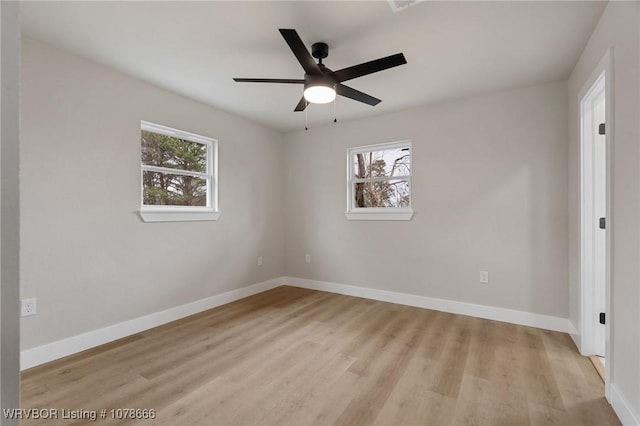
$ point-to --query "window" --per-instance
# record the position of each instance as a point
(179, 181)
(379, 182)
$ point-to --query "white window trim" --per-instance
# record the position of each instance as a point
(377, 213)
(183, 213)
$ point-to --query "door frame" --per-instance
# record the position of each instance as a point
(593, 255)
(604, 68)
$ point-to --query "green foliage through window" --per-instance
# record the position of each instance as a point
(174, 171)
(173, 153)
(164, 189)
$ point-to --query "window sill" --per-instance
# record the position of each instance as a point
(397, 215)
(177, 216)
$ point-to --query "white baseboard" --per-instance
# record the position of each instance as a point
(576, 336)
(622, 408)
(61, 348)
(480, 311)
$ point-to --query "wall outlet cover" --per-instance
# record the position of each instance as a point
(28, 307)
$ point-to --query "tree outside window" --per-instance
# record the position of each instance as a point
(379, 182)
(178, 174)
(376, 178)
(171, 181)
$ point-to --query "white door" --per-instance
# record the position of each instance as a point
(600, 209)
(594, 207)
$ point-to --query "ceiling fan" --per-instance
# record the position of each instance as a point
(320, 83)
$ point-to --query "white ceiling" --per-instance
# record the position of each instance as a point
(453, 49)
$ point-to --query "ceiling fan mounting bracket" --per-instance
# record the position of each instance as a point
(320, 50)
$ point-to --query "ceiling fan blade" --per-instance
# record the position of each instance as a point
(299, 49)
(301, 105)
(269, 80)
(369, 67)
(356, 95)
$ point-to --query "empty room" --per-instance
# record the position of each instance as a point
(398, 212)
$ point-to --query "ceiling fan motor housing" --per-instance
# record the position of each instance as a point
(320, 50)
(325, 79)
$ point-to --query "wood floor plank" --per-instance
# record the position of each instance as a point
(482, 402)
(230, 399)
(291, 356)
(382, 376)
(285, 386)
(325, 406)
(440, 326)
(543, 415)
(483, 347)
(320, 385)
(412, 403)
(445, 374)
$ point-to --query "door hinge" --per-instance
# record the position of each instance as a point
(603, 223)
(601, 129)
(602, 318)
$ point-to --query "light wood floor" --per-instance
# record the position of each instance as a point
(291, 356)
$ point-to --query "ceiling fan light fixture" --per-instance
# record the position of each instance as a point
(319, 93)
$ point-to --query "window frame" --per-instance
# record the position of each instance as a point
(377, 213)
(166, 213)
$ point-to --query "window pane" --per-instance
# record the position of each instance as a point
(389, 193)
(174, 153)
(163, 189)
(389, 162)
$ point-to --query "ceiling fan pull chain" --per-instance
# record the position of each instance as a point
(335, 117)
(306, 117)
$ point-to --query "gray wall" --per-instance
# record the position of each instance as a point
(489, 193)
(618, 28)
(86, 255)
(9, 209)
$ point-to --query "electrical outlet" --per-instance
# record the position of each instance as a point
(28, 307)
(307, 258)
(484, 277)
(259, 260)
